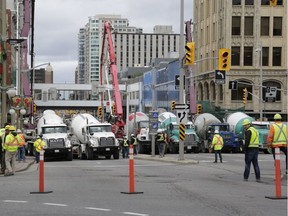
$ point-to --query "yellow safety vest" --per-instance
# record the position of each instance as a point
(39, 145)
(254, 139)
(11, 143)
(125, 143)
(161, 138)
(21, 139)
(280, 135)
(217, 142)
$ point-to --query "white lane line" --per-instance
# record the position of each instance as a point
(15, 201)
(55, 204)
(97, 209)
(133, 213)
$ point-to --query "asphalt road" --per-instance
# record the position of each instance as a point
(167, 188)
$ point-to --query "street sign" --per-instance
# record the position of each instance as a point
(182, 106)
(271, 92)
(219, 76)
(182, 116)
(153, 121)
(233, 85)
(182, 132)
(177, 81)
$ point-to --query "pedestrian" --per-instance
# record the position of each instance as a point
(11, 146)
(3, 138)
(125, 147)
(161, 141)
(134, 143)
(39, 145)
(21, 147)
(217, 145)
(278, 137)
(251, 150)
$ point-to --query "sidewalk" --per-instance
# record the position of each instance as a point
(22, 166)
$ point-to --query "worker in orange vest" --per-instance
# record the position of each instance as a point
(278, 137)
(21, 147)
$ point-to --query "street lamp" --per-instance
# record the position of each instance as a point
(259, 49)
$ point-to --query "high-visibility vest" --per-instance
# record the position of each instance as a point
(280, 135)
(217, 142)
(125, 142)
(21, 139)
(254, 139)
(39, 145)
(11, 143)
(133, 141)
(161, 138)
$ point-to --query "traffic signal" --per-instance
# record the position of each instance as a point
(99, 111)
(114, 108)
(245, 94)
(273, 3)
(199, 108)
(173, 103)
(190, 53)
(224, 59)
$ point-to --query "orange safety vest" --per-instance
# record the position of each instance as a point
(21, 139)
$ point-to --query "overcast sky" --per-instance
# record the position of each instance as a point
(57, 23)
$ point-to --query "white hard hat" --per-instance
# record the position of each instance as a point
(216, 131)
(19, 131)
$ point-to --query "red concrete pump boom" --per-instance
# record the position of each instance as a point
(118, 125)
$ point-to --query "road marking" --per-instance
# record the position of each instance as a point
(97, 209)
(15, 201)
(55, 204)
(133, 213)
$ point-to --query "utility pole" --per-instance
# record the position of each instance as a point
(181, 75)
(3, 41)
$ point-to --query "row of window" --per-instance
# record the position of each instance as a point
(248, 56)
(251, 2)
(249, 26)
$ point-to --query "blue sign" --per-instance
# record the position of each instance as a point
(155, 114)
(155, 125)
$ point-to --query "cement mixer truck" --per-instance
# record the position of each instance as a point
(168, 124)
(139, 126)
(55, 135)
(93, 138)
(206, 124)
(236, 119)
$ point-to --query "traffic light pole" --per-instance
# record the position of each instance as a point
(181, 75)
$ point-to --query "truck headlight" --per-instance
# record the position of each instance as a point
(68, 143)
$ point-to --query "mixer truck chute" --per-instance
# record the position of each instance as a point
(55, 135)
(93, 138)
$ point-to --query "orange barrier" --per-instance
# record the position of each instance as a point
(131, 172)
(41, 175)
(278, 194)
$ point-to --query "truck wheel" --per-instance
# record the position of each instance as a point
(69, 156)
(89, 153)
(116, 154)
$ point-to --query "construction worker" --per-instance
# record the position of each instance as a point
(217, 145)
(161, 140)
(278, 137)
(11, 146)
(39, 145)
(21, 147)
(251, 150)
(2, 153)
(125, 147)
(134, 143)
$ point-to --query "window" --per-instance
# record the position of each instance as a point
(235, 60)
(276, 56)
(277, 26)
(265, 2)
(249, 2)
(264, 26)
(248, 56)
(236, 2)
(236, 25)
(248, 28)
(265, 56)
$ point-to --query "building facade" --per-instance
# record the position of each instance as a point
(256, 33)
